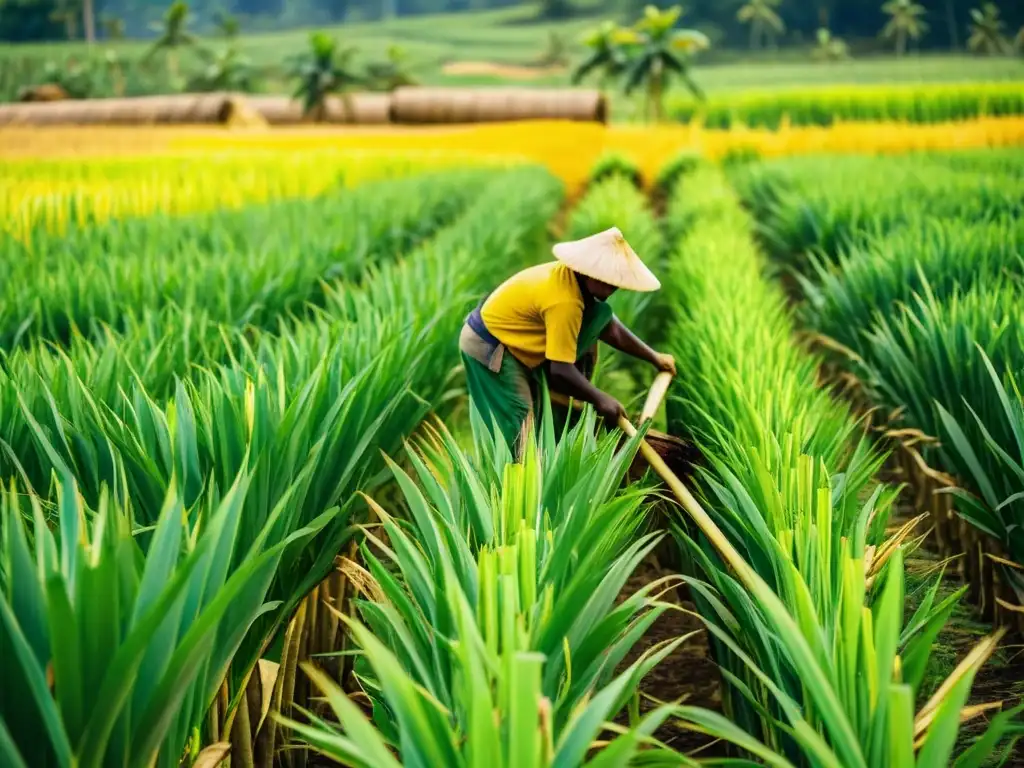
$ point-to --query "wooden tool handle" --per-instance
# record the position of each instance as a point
(655, 397)
(692, 507)
(559, 399)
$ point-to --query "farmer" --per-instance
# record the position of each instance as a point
(547, 320)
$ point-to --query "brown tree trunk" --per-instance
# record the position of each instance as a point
(657, 92)
(89, 21)
(172, 65)
(954, 33)
(118, 78)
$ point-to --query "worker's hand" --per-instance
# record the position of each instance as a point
(610, 409)
(665, 363)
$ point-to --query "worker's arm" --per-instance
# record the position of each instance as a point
(568, 380)
(621, 338)
(563, 321)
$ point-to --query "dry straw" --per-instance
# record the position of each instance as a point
(489, 105)
(213, 108)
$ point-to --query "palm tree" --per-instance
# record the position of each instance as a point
(987, 31)
(661, 51)
(321, 71)
(764, 22)
(174, 35)
(607, 57)
(904, 22)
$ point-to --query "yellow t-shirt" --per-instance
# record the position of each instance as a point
(537, 314)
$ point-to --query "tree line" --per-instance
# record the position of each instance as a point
(939, 24)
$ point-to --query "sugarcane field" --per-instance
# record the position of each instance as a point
(511, 384)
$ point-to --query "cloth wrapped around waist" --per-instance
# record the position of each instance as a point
(479, 343)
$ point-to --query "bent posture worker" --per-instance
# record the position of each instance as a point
(548, 318)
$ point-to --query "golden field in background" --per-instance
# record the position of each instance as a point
(569, 149)
(86, 187)
(88, 173)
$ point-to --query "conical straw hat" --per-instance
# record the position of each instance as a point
(607, 257)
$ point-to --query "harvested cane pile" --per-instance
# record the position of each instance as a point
(412, 105)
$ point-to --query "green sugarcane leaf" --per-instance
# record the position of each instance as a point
(978, 754)
(9, 750)
(919, 647)
(964, 449)
(722, 727)
(35, 679)
(373, 748)
(416, 715)
(899, 733)
(524, 737)
(122, 670)
(622, 750)
(67, 660)
(24, 592)
(191, 653)
(583, 728)
(888, 618)
(937, 750)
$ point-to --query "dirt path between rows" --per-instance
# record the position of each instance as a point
(688, 674)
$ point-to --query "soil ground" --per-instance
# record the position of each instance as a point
(1000, 679)
(688, 676)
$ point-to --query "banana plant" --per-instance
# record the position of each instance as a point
(174, 35)
(659, 52)
(607, 58)
(227, 69)
(829, 47)
(322, 71)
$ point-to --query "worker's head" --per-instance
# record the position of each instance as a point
(607, 263)
(598, 289)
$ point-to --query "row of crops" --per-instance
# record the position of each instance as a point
(912, 103)
(911, 272)
(214, 540)
(40, 197)
(198, 470)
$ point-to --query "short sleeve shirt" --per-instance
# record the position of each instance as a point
(537, 314)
